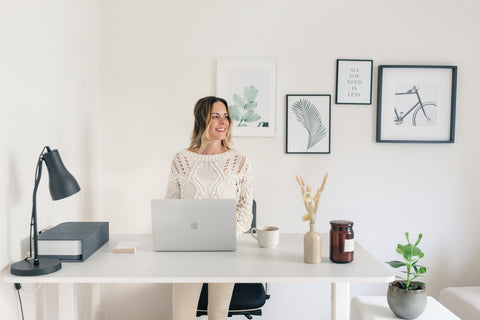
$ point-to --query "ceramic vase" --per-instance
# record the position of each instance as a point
(312, 245)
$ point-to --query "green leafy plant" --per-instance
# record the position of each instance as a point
(243, 108)
(411, 255)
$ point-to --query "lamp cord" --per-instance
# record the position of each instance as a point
(18, 287)
(38, 174)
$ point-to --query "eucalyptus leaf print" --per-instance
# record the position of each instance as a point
(243, 108)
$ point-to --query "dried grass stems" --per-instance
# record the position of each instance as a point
(311, 201)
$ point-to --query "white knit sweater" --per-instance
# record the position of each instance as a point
(226, 175)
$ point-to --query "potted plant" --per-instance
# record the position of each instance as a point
(408, 298)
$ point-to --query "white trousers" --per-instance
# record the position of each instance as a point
(185, 300)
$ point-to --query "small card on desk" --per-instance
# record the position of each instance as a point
(126, 247)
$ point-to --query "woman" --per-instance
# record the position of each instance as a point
(208, 169)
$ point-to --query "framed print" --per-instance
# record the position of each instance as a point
(354, 81)
(308, 123)
(249, 87)
(416, 103)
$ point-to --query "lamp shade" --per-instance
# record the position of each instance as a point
(62, 183)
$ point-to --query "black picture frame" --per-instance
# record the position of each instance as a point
(416, 103)
(308, 120)
(354, 81)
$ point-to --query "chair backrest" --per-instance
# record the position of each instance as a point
(254, 214)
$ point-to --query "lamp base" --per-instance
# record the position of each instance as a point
(27, 268)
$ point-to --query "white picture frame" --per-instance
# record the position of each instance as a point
(249, 86)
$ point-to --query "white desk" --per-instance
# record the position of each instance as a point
(248, 264)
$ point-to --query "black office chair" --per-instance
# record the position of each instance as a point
(247, 298)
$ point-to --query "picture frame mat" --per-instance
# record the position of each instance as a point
(345, 92)
(297, 135)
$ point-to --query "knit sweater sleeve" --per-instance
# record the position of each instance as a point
(244, 196)
(173, 184)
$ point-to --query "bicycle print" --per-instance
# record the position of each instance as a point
(423, 113)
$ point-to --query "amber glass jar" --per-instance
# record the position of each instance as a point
(341, 241)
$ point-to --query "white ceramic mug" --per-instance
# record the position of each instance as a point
(267, 237)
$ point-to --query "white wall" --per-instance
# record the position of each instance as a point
(49, 80)
(158, 58)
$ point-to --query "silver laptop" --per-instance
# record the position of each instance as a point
(194, 225)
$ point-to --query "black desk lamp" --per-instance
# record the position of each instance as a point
(62, 184)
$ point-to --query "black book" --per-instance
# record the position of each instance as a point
(72, 241)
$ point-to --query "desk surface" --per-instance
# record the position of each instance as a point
(248, 264)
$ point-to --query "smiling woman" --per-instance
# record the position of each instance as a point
(212, 132)
(210, 169)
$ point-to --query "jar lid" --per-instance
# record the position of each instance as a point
(341, 223)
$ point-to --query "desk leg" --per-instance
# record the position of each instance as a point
(341, 301)
(67, 301)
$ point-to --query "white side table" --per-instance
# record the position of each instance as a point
(463, 301)
(376, 308)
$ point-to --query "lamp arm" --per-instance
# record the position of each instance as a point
(34, 212)
(33, 222)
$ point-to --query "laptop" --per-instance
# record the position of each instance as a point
(194, 225)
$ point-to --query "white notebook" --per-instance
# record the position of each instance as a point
(126, 247)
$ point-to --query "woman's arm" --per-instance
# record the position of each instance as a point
(245, 198)
(173, 186)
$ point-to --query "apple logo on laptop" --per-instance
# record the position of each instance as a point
(194, 225)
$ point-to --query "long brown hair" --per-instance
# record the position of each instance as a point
(203, 118)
